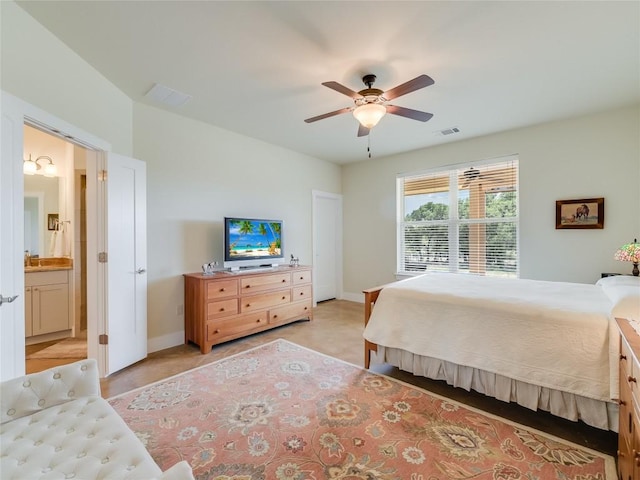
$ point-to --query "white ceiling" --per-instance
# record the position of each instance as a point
(256, 68)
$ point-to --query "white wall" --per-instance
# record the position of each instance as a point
(592, 156)
(41, 70)
(196, 175)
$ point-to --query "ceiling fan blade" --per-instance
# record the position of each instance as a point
(408, 87)
(330, 114)
(342, 89)
(362, 130)
(407, 112)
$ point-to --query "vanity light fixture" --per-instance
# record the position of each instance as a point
(31, 167)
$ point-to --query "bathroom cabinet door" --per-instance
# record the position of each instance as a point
(50, 308)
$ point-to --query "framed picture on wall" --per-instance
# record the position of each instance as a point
(52, 221)
(582, 213)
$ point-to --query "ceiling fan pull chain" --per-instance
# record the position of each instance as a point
(369, 144)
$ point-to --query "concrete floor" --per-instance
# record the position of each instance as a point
(337, 331)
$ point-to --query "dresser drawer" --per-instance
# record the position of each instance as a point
(303, 276)
(219, 330)
(295, 311)
(251, 303)
(626, 359)
(222, 289)
(222, 308)
(301, 293)
(261, 283)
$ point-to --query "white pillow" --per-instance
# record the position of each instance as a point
(619, 280)
(625, 300)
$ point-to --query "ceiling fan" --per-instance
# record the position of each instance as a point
(370, 104)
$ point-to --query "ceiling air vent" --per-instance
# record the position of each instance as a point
(448, 131)
(167, 95)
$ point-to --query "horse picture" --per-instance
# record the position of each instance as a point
(583, 213)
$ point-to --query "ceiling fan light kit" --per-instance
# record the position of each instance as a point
(369, 114)
(371, 103)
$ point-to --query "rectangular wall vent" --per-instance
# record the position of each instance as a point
(448, 131)
(167, 95)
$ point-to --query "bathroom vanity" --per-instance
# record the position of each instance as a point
(48, 299)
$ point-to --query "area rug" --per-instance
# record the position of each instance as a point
(283, 412)
(67, 348)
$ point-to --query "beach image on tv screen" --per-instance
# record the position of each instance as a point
(254, 238)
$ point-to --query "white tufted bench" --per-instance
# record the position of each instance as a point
(55, 425)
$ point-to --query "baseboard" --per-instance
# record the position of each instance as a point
(165, 341)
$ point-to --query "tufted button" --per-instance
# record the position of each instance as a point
(27, 384)
(38, 443)
(131, 467)
(11, 412)
(71, 393)
(81, 455)
(41, 402)
(83, 368)
(22, 461)
(70, 475)
(91, 435)
(46, 470)
(105, 460)
(56, 376)
(70, 430)
(58, 449)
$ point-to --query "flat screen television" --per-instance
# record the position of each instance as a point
(252, 242)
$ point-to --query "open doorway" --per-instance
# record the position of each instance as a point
(55, 252)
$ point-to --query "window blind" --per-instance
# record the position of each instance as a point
(462, 220)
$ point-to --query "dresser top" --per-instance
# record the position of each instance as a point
(247, 273)
(630, 335)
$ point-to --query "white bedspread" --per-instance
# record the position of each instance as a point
(552, 334)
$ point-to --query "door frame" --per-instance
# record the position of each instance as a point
(38, 118)
(315, 196)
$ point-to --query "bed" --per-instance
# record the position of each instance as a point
(552, 346)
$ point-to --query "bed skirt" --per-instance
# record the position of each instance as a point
(597, 413)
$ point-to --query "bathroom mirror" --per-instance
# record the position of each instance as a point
(41, 198)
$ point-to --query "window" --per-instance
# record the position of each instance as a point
(460, 220)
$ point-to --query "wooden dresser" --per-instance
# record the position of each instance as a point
(629, 435)
(223, 306)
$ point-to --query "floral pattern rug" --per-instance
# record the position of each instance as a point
(284, 412)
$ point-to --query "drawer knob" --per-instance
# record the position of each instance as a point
(305, 308)
(284, 280)
(623, 357)
(632, 379)
(216, 331)
(248, 305)
(284, 298)
(621, 402)
(620, 454)
(247, 286)
(301, 293)
(222, 289)
(301, 278)
(258, 320)
(221, 309)
(275, 316)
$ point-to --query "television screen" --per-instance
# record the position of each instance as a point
(252, 239)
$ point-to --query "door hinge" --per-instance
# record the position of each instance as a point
(103, 339)
(102, 176)
(103, 257)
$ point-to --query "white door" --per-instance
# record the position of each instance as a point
(124, 271)
(327, 246)
(12, 329)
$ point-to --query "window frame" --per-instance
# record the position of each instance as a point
(453, 222)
